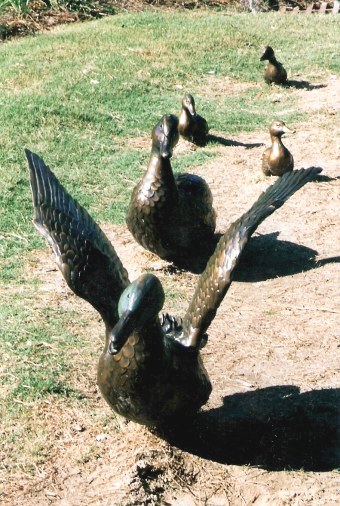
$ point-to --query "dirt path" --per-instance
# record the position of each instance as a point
(268, 433)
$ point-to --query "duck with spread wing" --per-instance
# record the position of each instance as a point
(150, 370)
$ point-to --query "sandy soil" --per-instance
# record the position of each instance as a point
(269, 434)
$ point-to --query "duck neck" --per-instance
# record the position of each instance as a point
(278, 147)
(142, 339)
(184, 116)
(160, 171)
(273, 60)
(276, 139)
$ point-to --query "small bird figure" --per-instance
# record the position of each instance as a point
(171, 215)
(150, 370)
(191, 125)
(274, 71)
(277, 160)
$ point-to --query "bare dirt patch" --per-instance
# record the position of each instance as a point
(268, 435)
(224, 85)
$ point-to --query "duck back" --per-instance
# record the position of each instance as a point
(275, 73)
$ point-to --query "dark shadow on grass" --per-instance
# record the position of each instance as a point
(266, 257)
(229, 142)
(304, 85)
(320, 178)
(274, 428)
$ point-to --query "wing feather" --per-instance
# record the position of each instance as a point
(217, 276)
(85, 256)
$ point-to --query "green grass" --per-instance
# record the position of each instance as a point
(77, 102)
(74, 101)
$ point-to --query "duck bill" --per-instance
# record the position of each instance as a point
(191, 109)
(121, 331)
(267, 53)
(287, 130)
(166, 148)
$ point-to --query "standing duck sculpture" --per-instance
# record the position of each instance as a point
(191, 125)
(277, 159)
(150, 370)
(274, 71)
(171, 215)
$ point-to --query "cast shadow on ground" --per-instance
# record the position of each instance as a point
(320, 178)
(275, 428)
(266, 257)
(211, 138)
(304, 85)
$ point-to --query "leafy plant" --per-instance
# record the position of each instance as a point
(21, 6)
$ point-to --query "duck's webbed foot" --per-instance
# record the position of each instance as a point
(173, 328)
(170, 324)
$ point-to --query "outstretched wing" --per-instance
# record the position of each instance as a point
(84, 254)
(217, 276)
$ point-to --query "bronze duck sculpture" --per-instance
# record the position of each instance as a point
(192, 126)
(150, 370)
(170, 215)
(277, 159)
(274, 71)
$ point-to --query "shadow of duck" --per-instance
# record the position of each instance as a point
(326, 179)
(211, 138)
(303, 85)
(274, 428)
(269, 258)
(266, 257)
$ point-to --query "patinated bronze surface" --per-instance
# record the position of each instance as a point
(172, 216)
(276, 159)
(274, 71)
(191, 125)
(150, 370)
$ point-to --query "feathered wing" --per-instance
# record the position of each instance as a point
(84, 254)
(217, 276)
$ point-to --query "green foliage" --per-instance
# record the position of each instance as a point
(19, 5)
(94, 8)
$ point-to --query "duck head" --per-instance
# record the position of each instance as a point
(268, 53)
(165, 135)
(278, 128)
(139, 304)
(188, 103)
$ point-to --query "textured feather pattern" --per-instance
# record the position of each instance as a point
(168, 215)
(217, 276)
(83, 253)
(152, 202)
